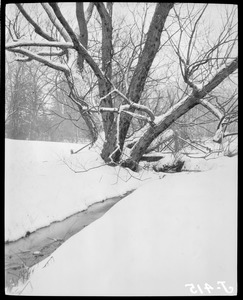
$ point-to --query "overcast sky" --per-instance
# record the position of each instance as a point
(127, 9)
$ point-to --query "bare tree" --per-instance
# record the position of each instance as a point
(197, 66)
(117, 120)
(204, 53)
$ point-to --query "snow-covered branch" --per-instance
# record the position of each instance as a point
(117, 147)
(107, 95)
(42, 53)
(138, 106)
(108, 109)
(55, 65)
(133, 105)
(52, 53)
(138, 116)
(39, 44)
(23, 59)
(212, 108)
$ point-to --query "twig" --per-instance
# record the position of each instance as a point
(25, 287)
(230, 134)
(48, 261)
(72, 152)
(20, 259)
(85, 170)
(192, 145)
(55, 240)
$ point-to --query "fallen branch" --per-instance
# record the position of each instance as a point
(72, 152)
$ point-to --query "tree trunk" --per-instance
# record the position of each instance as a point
(175, 112)
(89, 121)
(83, 32)
(138, 80)
(107, 52)
(165, 121)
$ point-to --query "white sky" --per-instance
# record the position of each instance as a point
(126, 9)
(131, 10)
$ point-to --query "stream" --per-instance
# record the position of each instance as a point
(27, 251)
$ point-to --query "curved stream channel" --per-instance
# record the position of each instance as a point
(28, 251)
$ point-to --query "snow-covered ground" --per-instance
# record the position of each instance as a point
(192, 163)
(173, 236)
(40, 187)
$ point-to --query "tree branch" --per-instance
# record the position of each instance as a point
(89, 11)
(179, 109)
(230, 134)
(132, 105)
(107, 49)
(212, 108)
(56, 22)
(192, 34)
(219, 77)
(37, 28)
(42, 53)
(47, 62)
(39, 44)
(83, 32)
(77, 45)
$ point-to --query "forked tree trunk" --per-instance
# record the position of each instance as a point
(138, 80)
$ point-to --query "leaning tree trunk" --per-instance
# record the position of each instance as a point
(174, 113)
(138, 80)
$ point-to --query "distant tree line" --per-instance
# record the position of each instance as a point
(31, 109)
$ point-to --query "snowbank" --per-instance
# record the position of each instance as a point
(40, 187)
(192, 163)
(202, 164)
(171, 232)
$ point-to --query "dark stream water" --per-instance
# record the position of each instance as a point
(29, 250)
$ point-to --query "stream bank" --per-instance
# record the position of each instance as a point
(25, 252)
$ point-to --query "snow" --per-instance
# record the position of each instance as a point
(40, 187)
(195, 160)
(169, 233)
(191, 163)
